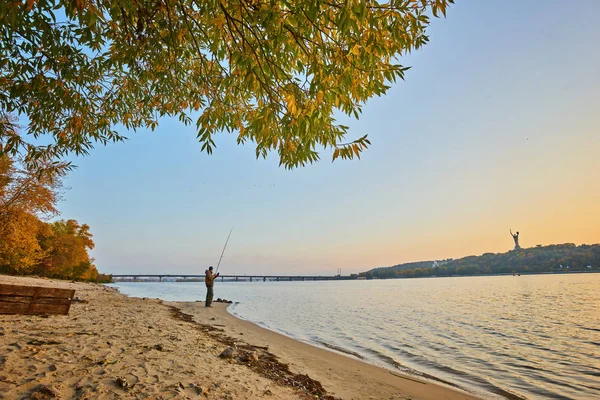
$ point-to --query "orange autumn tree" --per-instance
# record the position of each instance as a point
(65, 248)
(29, 244)
(26, 197)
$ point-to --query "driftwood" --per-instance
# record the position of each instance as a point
(34, 300)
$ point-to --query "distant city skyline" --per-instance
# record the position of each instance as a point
(495, 128)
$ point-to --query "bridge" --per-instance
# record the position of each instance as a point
(231, 278)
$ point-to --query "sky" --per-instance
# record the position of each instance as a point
(496, 127)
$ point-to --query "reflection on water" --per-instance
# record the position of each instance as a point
(531, 336)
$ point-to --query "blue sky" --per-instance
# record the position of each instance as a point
(496, 127)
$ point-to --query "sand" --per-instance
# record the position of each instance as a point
(116, 347)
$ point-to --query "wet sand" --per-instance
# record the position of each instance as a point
(114, 347)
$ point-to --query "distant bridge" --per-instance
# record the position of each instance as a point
(233, 278)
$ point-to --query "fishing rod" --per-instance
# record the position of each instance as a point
(223, 252)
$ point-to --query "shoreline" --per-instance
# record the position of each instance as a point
(114, 346)
(340, 374)
(407, 373)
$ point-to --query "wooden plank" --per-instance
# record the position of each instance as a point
(18, 290)
(60, 302)
(13, 308)
(34, 309)
(15, 299)
(28, 300)
(54, 309)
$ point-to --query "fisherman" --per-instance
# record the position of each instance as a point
(209, 279)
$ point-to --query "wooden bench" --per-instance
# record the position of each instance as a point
(34, 300)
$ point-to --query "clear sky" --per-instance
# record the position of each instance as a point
(497, 126)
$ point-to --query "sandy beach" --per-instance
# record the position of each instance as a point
(111, 346)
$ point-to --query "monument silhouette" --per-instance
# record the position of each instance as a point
(515, 237)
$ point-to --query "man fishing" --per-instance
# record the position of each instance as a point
(209, 279)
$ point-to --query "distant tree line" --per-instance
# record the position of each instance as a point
(29, 243)
(554, 258)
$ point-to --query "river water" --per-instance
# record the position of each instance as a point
(534, 337)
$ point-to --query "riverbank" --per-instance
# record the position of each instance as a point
(114, 346)
(340, 375)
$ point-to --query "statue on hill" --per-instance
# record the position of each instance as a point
(515, 237)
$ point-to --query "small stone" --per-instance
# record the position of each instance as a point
(43, 392)
(52, 368)
(227, 353)
(86, 395)
(122, 383)
(249, 357)
(198, 389)
(254, 356)
(203, 390)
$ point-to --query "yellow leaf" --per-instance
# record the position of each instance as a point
(336, 153)
(320, 96)
(219, 21)
(291, 104)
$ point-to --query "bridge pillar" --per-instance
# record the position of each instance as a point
(160, 278)
(315, 278)
(277, 279)
(134, 279)
(250, 279)
(222, 278)
(264, 278)
(302, 279)
(236, 278)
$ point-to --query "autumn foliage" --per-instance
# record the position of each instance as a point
(28, 243)
(274, 73)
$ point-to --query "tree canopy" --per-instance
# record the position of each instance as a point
(274, 72)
